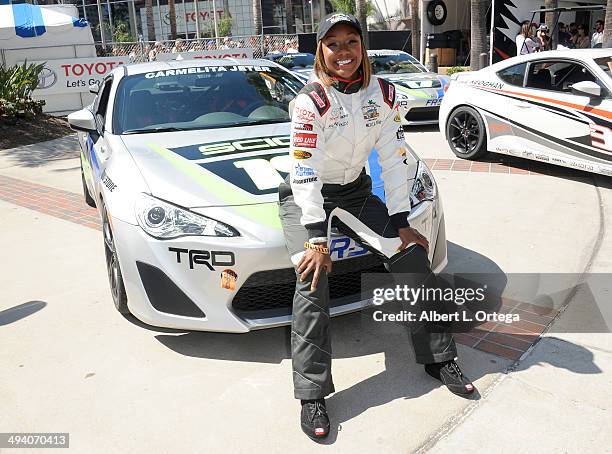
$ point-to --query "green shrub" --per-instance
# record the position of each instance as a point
(455, 69)
(16, 86)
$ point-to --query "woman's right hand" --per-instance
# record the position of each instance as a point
(315, 262)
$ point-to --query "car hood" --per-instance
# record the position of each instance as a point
(220, 167)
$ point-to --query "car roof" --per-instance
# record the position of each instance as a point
(141, 68)
(578, 54)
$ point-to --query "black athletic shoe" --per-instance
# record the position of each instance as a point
(315, 422)
(449, 373)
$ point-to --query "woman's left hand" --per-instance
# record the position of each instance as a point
(409, 235)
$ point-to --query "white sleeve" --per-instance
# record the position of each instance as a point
(391, 152)
(307, 143)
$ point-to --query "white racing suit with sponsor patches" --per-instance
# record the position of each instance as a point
(333, 131)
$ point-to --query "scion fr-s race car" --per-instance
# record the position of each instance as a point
(183, 160)
(554, 107)
(419, 91)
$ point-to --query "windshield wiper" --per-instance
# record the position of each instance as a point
(148, 130)
(265, 122)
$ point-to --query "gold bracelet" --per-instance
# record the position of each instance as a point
(316, 247)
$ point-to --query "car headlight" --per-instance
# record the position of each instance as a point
(424, 186)
(165, 221)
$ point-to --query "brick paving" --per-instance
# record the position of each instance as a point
(504, 165)
(501, 339)
(44, 199)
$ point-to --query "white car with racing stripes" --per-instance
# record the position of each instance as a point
(183, 160)
(554, 107)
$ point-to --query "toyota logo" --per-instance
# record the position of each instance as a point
(46, 78)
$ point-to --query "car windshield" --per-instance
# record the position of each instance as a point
(203, 97)
(605, 63)
(395, 64)
(294, 60)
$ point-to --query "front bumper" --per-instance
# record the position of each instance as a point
(176, 283)
(420, 111)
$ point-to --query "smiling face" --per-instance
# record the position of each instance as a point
(342, 54)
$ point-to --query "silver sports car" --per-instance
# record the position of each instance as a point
(183, 160)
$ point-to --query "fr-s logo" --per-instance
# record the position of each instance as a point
(344, 247)
(601, 137)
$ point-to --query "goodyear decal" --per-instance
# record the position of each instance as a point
(264, 213)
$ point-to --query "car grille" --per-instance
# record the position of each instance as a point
(273, 290)
(423, 113)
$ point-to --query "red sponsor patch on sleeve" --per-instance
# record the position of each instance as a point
(305, 140)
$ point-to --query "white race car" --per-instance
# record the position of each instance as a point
(554, 107)
(419, 91)
(183, 160)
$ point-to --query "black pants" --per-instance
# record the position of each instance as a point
(310, 336)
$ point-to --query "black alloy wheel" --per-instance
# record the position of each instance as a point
(466, 133)
(115, 278)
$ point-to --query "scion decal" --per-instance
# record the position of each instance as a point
(226, 147)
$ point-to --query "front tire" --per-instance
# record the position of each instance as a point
(115, 277)
(466, 133)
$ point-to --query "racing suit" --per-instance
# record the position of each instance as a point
(333, 131)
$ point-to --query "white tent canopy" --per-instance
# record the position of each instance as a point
(26, 26)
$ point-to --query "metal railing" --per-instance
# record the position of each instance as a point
(142, 51)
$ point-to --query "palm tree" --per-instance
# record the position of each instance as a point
(414, 25)
(550, 20)
(289, 15)
(257, 17)
(360, 9)
(150, 24)
(607, 39)
(479, 32)
(172, 14)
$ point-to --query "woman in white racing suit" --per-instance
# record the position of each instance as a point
(337, 119)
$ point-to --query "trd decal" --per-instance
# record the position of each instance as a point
(208, 258)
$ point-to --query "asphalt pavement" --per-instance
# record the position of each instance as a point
(71, 363)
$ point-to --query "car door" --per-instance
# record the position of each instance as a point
(548, 119)
(97, 146)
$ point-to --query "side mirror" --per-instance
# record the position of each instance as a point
(82, 120)
(587, 88)
(94, 87)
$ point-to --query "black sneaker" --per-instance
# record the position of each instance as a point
(315, 422)
(449, 373)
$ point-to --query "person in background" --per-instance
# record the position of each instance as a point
(583, 41)
(564, 36)
(157, 49)
(543, 38)
(573, 31)
(179, 46)
(597, 39)
(524, 42)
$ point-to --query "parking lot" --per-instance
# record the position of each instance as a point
(72, 364)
